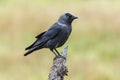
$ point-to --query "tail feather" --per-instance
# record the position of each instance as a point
(29, 52)
(38, 38)
(32, 45)
(32, 49)
(38, 44)
(29, 47)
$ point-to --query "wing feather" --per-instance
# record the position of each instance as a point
(42, 39)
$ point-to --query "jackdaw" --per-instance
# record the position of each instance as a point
(55, 36)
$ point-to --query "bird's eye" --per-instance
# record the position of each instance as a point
(70, 15)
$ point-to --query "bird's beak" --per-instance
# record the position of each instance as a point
(74, 17)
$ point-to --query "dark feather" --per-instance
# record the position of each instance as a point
(29, 47)
(39, 36)
(55, 36)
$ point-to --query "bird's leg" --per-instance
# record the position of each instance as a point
(53, 52)
(57, 52)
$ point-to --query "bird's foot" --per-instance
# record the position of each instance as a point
(59, 54)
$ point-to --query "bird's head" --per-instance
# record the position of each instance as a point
(67, 18)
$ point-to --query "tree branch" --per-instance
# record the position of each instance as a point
(59, 69)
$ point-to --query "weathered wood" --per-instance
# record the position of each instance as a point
(59, 69)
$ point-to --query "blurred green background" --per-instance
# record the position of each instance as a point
(94, 45)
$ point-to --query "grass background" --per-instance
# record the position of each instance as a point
(94, 45)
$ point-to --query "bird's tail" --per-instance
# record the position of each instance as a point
(32, 49)
(31, 46)
(29, 52)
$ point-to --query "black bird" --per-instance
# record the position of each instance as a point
(55, 37)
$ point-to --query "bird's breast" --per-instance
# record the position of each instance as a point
(64, 36)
